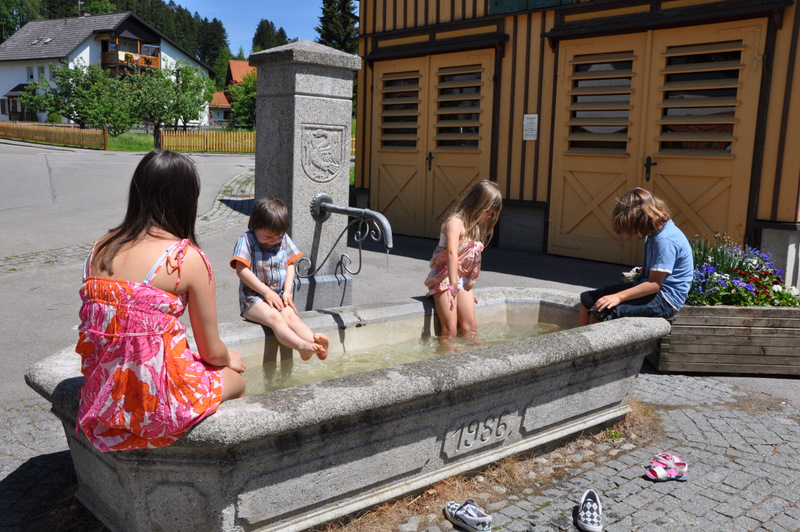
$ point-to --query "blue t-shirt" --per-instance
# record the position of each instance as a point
(669, 251)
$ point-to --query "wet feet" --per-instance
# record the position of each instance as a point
(322, 340)
(307, 350)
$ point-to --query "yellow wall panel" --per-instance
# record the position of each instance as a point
(432, 9)
(503, 112)
(672, 4)
(411, 15)
(545, 117)
(789, 192)
(404, 40)
(464, 32)
(789, 167)
(609, 13)
(380, 7)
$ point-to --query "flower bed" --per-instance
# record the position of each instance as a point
(739, 317)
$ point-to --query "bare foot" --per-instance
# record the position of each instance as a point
(308, 350)
(446, 345)
(473, 337)
(322, 340)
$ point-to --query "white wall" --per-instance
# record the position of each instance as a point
(169, 56)
(12, 73)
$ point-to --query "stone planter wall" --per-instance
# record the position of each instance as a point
(725, 339)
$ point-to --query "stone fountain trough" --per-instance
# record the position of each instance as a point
(294, 458)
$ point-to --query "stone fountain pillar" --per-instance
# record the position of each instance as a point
(303, 125)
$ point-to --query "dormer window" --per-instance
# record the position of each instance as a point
(35, 41)
(47, 40)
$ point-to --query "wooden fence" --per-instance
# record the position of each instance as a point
(63, 135)
(209, 141)
(187, 141)
(216, 141)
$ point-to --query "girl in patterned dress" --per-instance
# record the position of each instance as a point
(456, 261)
(143, 386)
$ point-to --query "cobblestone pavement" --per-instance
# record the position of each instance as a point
(741, 447)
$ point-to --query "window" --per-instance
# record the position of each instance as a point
(458, 107)
(30, 74)
(700, 94)
(3, 107)
(42, 74)
(400, 110)
(600, 103)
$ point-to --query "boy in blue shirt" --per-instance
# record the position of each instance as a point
(661, 288)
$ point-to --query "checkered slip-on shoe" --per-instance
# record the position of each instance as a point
(590, 512)
(468, 516)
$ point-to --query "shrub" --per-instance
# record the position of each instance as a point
(728, 274)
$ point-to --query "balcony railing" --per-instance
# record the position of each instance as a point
(130, 59)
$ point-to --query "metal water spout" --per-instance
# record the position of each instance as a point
(370, 224)
(378, 226)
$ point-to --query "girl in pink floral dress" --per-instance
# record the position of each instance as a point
(456, 261)
(143, 386)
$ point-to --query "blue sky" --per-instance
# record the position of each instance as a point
(241, 17)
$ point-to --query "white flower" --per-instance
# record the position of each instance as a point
(777, 288)
(793, 291)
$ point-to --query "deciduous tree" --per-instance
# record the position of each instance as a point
(243, 104)
(86, 95)
(75, 93)
(193, 91)
(154, 97)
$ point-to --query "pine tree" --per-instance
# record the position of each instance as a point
(267, 36)
(337, 27)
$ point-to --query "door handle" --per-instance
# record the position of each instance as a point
(648, 163)
(429, 158)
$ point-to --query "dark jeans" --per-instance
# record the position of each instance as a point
(650, 306)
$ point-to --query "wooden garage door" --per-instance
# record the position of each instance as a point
(672, 111)
(433, 129)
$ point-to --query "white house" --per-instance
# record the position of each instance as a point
(118, 42)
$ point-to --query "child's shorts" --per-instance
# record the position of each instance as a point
(251, 298)
(649, 306)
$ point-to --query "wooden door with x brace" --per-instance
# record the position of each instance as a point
(433, 127)
(672, 111)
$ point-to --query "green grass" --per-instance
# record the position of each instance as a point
(131, 142)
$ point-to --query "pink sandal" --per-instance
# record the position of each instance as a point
(667, 467)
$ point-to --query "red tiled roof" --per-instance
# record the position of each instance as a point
(238, 70)
(220, 101)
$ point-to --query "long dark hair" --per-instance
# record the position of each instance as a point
(163, 194)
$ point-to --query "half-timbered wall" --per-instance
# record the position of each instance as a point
(526, 82)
